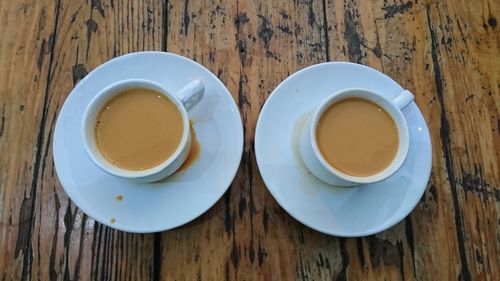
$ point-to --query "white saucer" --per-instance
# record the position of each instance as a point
(178, 199)
(348, 212)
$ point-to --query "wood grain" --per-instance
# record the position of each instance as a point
(44, 236)
(445, 52)
(28, 36)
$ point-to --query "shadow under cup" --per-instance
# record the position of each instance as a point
(321, 168)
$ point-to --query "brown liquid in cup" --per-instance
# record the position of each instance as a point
(357, 137)
(138, 129)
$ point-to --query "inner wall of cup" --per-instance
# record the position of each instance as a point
(98, 106)
(390, 108)
(91, 127)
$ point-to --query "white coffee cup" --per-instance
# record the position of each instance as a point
(319, 167)
(184, 99)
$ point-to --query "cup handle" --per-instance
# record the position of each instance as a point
(191, 94)
(403, 99)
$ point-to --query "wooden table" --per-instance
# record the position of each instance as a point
(446, 52)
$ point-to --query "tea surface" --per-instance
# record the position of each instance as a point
(138, 129)
(357, 137)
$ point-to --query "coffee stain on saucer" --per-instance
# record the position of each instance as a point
(194, 153)
(297, 129)
(309, 182)
(119, 198)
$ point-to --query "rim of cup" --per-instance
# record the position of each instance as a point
(90, 118)
(390, 108)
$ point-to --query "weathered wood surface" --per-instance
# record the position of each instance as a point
(445, 52)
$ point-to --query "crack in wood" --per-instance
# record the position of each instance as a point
(157, 257)
(53, 251)
(2, 121)
(446, 147)
(344, 256)
(361, 255)
(96, 4)
(79, 72)
(185, 18)
(392, 10)
(411, 243)
(352, 36)
(27, 212)
(325, 31)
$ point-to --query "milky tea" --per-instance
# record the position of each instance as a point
(138, 129)
(357, 137)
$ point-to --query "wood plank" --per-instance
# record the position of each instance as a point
(91, 33)
(251, 46)
(27, 30)
(58, 241)
(428, 48)
(464, 47)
